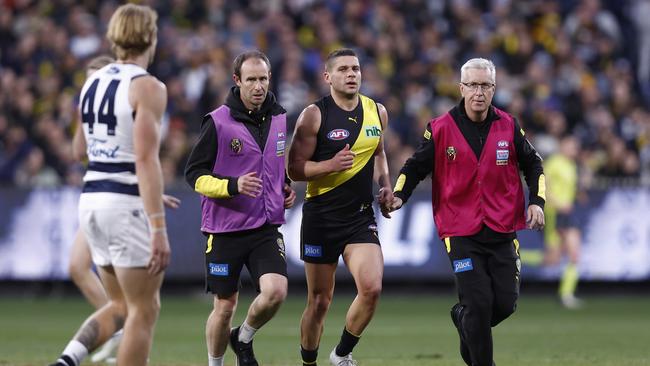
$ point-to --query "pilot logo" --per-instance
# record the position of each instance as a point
(463, 265)
(218, 269)
(236, 145)
(313, 251)
(373, 131)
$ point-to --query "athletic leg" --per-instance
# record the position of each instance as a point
(217, 327)
(141, 292)
(320, 289)
(82, 274)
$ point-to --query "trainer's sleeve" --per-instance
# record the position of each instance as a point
(530, 164)
(198, 171)
(416, 168)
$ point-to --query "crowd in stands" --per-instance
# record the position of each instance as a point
(563, 67)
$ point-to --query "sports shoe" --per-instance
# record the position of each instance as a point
(456, 311)
(346, 360)
(571, 302)
(243, 351)
(108, 350)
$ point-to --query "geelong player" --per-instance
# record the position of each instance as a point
(121, 209)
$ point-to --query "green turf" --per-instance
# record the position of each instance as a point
(407, 330)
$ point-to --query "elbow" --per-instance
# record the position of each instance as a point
(292, 172)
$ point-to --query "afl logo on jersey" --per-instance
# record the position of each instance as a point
(338, 134)
(236, 145)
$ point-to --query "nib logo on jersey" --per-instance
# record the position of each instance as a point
(338, 134)
(373, 131)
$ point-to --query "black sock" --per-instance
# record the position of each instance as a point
(347, 343)
(308, 357)
(64, 360)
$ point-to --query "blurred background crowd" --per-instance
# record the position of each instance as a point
(563, 67)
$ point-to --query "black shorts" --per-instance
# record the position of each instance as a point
(479, 267)
(261, 250)
(323, 236)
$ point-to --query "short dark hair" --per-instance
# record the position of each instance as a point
(338, 53)
(239, 60)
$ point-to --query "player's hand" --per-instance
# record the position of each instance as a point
(395, 204)
(535, 217)
(289, 196)
(249, 184)
(385, 198)
(171, 201)
(342, 160)
(160, 253)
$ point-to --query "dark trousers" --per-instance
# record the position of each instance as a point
(487, 280)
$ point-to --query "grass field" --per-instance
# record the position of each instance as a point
(407, 330)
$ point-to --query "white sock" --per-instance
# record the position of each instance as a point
(76, 351)
(215, 361)
(246, 333)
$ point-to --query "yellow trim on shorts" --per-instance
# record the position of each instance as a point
(448, 244)
(516, 242)
(309, 363)
(209, 249)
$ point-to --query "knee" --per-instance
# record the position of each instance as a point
(224, 309)
(275, 296)
(77, 271)
(370, 293)
(502, 310)
(319, 303)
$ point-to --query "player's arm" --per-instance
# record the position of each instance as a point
(381, 173)
(79, 141)
(148, 96)
(530, 163)
(198, 170)
(415, 169)
(303, 145)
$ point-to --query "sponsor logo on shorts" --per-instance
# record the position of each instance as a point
(280, 243)
(372, 227)
(463, 265)
(218, 269)
(313, 251)
(338, 134)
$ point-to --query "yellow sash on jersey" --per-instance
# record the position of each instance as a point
(364, 147)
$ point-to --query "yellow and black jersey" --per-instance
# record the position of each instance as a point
(350, 190)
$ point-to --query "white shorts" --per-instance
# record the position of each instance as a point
(117, 237)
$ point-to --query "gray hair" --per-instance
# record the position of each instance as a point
(479, 63)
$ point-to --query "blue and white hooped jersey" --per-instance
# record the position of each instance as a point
(108, 119)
